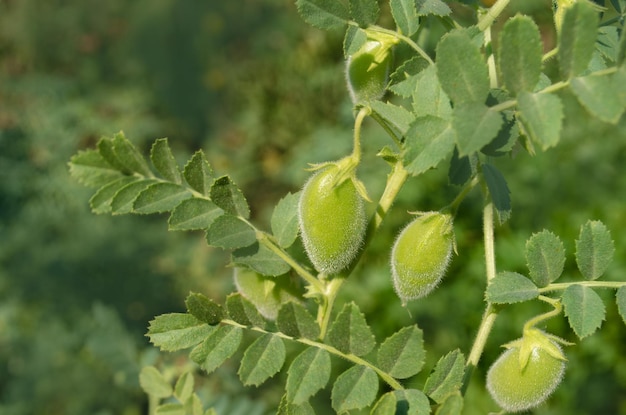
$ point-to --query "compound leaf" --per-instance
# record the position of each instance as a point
(262, 360)
(447, 376)
(309, 372)
(100, 202)
(350, 333)
(194, 214)
(584, 309)
(124, 199)
(220, 345)
(294, 320)
(402, 354)
(176, 331)
(594, 249)
(160, 197)
(545, 256)
(461, 69)
(324, 14)
(542, 117)
(511, 287)
(164, 162)
(355, 388)
(519, 54)
(577, 38)
(92, 170)
(284, 221)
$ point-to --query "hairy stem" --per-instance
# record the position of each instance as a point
(596, 284)
(492, 14)
(490, 314)
(406, 40)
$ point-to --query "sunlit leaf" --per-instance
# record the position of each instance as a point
(584, 309)
(262, 360)
(355, 388)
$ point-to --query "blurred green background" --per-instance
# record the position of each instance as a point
(263, 94)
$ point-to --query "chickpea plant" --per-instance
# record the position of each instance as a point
(467, 105)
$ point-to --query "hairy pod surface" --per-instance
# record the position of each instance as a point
(421, 254)
(332, 220)
(367, 72)
(516, 388)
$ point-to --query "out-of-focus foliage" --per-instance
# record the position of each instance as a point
(264, 95)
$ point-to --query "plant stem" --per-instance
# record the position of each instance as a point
(596, 284)
(406, 40)
(492, 14)
(358, 121)
(490, 314)
(545, 316)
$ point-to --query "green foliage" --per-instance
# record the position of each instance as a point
(461, 102)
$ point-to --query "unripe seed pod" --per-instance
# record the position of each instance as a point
(421, 254)
(332, 220)
(367, 72)
(516, 388)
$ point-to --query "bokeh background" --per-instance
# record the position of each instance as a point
(262, 94)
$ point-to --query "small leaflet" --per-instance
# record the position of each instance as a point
(545, 257)
(323, 14)
(218, 346)
(511, 287)
(446, 377)
(402, 354)
(542, 117)
(164, 162)
(350, 333)
(309, 372)
(176, 331)
(519, 54)
(204, 309)
(405, 15)
(262, 360)
(584, 309)
(594, 249)
(154, 383)
(284, 221)
(355, 388)
(577, 38)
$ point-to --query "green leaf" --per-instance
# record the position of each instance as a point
(170, 409)
(499, 191)
(129, 156)
(243, 311)
(176, 331)
(262, 360)
(308, 373)
(106, 149)
(350, 333)
(287, 408)
(461, 68)
(545, 256)
(184, 387)
(405, 15)
(447, 376)
(267, 294)
(452, 405)
(100, 202)
(428, 96)
(429, 141)
(395, 115)
(355, 388)
(230, 232)
(461, 169)
(364, 12)
(608, 42)
(204, 309)
(323, 14)
(511, 287)
(226, 195)
(620, 298)
(386, 405)
(404, 79)
(542, 117)
(584, 309)
(220, 345)
(199, 174)
(600, 96)
(92, 170)
(476, 125)
(164, 162)
(124, 199)
(193, 214)
(159, 198)
(412, 402)
(519, 54)
(594, 249)
(261, 259)
(577, 38)
(402, 354)
(354, 39)
(294, 320)
(284, 220)
(154, 383)
(436, 7)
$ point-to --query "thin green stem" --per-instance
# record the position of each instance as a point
(550, 54)
(387, 129)
(595, 284)
(558, 308)
(490, 314)
(330, 349)
(358, 122)
(492, 14)
(491, 61)
(324, 311)
(454, 205)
